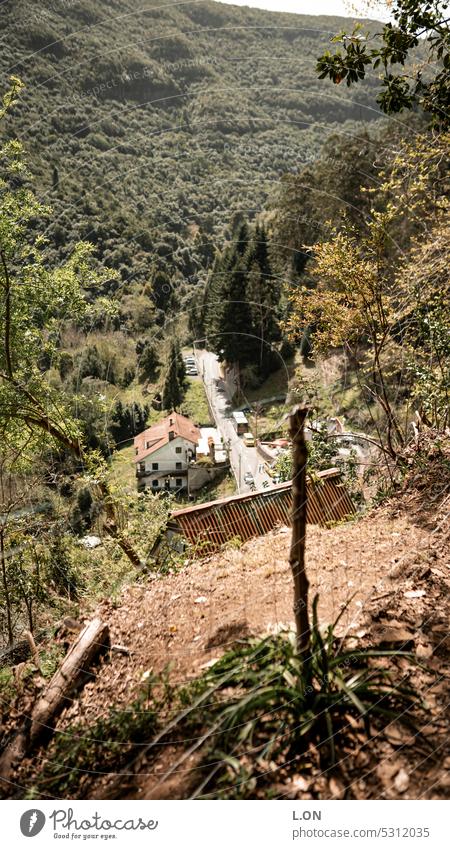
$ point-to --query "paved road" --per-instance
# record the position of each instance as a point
(219, 394)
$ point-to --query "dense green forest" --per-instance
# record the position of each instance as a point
(195, 174)
(198, 159)
(147, 128)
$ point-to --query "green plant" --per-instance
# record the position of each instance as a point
(50, 659)
(235, 542)
(260, 703)
(415, 25)
(7, 685)
(102, 748)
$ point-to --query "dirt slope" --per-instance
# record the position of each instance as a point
(393, 564)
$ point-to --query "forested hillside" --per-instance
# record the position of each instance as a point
(147, 127)
(196, 216)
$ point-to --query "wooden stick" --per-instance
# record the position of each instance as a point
(89, 643)
(33, 650)
(299, 506)
(67, 679)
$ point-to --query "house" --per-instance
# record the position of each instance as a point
(211, 445)
(163, 453)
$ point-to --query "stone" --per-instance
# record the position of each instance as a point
(401, 781)
(392, 633)
(337, 789)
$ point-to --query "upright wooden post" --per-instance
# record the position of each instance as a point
(297, 554)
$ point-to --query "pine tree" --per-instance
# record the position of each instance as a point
(242, 302)
(173, 385)
(161, 289)
(234, 341)
(263, 293)
(148, 361)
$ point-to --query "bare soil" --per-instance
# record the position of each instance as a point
(391, 565)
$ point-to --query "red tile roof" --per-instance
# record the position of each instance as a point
(158, 435)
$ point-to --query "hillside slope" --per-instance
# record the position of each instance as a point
(390, 566)
(145, 123)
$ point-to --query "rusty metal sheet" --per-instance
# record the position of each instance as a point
(211, 525)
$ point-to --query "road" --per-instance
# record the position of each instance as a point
(219, 394)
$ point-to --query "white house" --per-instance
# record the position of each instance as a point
(163, 453)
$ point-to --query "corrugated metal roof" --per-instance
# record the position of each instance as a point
(211, 525)
(239, 417)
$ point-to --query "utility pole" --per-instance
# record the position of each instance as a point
(258, 408)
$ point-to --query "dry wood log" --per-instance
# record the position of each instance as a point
(33, 650)
(72, 673)
(92, 640)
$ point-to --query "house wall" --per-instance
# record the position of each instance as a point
(166, 459)
(200, 475)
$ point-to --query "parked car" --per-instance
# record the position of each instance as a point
(249, 479)
(192, 371)
(249, 440)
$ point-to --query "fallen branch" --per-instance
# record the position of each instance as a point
(70, 676)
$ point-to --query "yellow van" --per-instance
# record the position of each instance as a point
(249, 440)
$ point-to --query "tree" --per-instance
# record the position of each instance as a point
(173, 385)
(333, 188)
(229, 320)
(34, 299)
(418, 25)
(25, 519)
(363, 301)
(264, 294)
(91, 364)
(127, 421)
(423, 322)
(181, 368)
(234, 340)
(161, 289)
(148, 361)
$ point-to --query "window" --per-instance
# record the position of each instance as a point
(155, 467)
(178, 449)
(148, 444)
(178, 465)
(136, 450)
(178, 482)
(155, 483)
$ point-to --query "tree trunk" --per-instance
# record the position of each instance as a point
(6, 588)
(297, 554)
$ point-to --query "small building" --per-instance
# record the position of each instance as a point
(240, 422)
(211, 445)
(164, 452)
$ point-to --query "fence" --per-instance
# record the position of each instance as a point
(211, 525)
